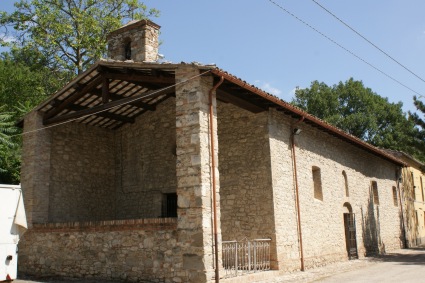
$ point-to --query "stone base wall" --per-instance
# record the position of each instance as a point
(143, 250)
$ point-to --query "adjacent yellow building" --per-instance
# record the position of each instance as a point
(411, 183)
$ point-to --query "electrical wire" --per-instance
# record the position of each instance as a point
(368, 41)
(112, 107)
(342, 47)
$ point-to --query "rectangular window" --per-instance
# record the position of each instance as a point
(375, 193)
(317, 182)
(395, 199)
(169, 205)
(422, 190)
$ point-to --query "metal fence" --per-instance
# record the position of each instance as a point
(247, 256)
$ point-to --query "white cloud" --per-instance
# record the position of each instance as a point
(268, 87)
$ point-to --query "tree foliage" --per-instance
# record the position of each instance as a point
(359, 111)
(419, 122)
(71, 34)
(9, 148)
(24, 81)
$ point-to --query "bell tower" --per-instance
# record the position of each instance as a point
(137, 41)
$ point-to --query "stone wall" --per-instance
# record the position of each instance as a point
(194, 173)
(244, 164)
(127, 250)
(82, 174)
(98, 174)
(146, 163)
(378, 226)
(35, 174)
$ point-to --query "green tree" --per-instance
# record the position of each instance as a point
(9, 148)
(419, 122)
(24, 82)
(71, 34)
(361, 112)
(21, 84)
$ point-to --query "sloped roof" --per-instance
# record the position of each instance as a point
(113, 93)
(410, 160)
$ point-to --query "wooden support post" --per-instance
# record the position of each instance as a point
(105, 90)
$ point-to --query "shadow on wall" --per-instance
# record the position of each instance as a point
(371, 229)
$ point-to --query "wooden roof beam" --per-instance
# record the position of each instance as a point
(242, 103)
(106, 106)
(138, 78)
(71, 99)
(140, 104)
(105, 114)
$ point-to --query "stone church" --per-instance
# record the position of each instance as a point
(148, 171)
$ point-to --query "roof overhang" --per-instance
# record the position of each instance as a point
(113, 93)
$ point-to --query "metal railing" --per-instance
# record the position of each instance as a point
(247, 256)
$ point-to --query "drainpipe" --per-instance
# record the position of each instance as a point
(212, 91)
(297, 199)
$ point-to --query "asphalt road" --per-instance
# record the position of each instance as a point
(401, 266)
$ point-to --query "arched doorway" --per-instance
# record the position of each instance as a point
(350, 231)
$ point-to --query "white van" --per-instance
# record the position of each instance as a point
(13, 224)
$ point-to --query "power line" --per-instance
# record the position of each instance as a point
(368, 41)
(112, 107)
(342, 47)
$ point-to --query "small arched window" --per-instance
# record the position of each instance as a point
(347, 193)
(317, 183)
(395, 199)
(127, 49)
(375, 194)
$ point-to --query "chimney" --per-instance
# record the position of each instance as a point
(137, 41)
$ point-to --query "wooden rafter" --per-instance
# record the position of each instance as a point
(139, 78)
(68, 101)
(115, 97)
(105, 90)
(107, 106)
(242, 103)
(109, 115)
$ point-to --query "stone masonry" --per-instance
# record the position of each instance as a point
(193, 171)
(245, 175)
(378, 226)
(140, 36)
(35, 175)
(127, 250)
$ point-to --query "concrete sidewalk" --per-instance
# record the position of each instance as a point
(329, 273)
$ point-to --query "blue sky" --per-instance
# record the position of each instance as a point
(261, 44)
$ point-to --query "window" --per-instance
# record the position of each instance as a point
(347, 193)
(422, 190)
(169, 205)
(317, 181)
(375, 192)
(395, 199)
(127, 49)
